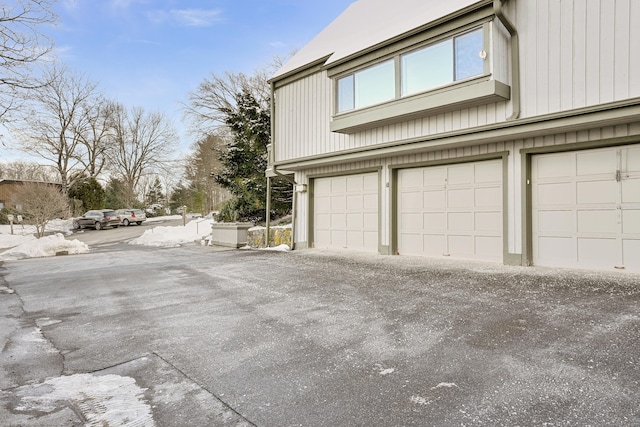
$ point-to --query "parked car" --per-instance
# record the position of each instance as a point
(129, 216)
(97, 219)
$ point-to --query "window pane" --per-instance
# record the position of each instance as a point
(375, 84)
(468, 61)
(427, 68)
(345, 94)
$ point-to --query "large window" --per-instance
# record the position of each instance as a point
(438, 64)
(370, 86)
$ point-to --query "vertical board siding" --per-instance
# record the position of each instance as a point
(577, 53)
(573, 54)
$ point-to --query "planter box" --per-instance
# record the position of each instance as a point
(231, 234)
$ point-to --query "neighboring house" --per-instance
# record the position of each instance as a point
(8, 190)
(488, 130)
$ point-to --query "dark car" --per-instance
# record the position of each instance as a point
(97, 219)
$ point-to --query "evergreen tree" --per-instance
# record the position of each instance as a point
(245, 160)
(116, 194)
(155, 194)
(88, 194)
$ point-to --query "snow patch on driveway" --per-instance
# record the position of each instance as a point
(111, 400)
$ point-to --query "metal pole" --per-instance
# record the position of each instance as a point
(268, 213)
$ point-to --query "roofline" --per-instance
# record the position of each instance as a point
(321, 63)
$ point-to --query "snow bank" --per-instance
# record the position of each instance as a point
(30, 247)
(162, 236)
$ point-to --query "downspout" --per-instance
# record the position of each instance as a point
(515, 58)
(286, 177)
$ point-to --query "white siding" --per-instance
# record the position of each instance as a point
(573, 54)
(577, 53)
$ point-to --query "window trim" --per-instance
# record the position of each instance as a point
(397, 58)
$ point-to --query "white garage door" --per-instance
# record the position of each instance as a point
(452, 210)
(586, 208)
(346, 212)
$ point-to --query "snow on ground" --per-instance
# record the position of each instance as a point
(46, 246)
(23, 244)
(103, 400)
(162, 236)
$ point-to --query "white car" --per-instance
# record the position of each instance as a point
(131, 216)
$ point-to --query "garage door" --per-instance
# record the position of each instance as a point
(586, 208)
(346, 212)
(453, 210)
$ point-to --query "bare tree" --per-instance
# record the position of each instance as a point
(208, 105)
(40, 203)
(59, 122)
(95, 133)
(23, 46)
(28, 171)
(142, 143)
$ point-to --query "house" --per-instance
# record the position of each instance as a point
(506, 131)
(9, 189)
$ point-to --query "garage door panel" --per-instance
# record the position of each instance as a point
(487, 173)
(460, 221)
(556, 250)
(434, 245)
(346, 212)
(460, 174)
(597, 192)
(462, 198)
(411, 200)
(370, 182)
(338, 238)
(599, 162)
(338, 203)
(436, 199)
(411, 221)
(597, 221)
(488, 221)
(555, 167)
(370, 202)
(631, 190)
(490, 246)
(354, 183)
(355, 202)
(411, 243)
(461, 208)
(370, 221)
(631, 254)
(561, 193)
(434, 221)
(598, 252)
(323, 221)
(631, 221)
(354, 220)
(461, 246)
(556, 221)
(488, 197)
(370, 239)
(338, 185)
(433, 177)
(323, 204)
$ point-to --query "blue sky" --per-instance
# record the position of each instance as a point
(151, 53)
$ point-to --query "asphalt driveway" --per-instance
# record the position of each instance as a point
(315, 338)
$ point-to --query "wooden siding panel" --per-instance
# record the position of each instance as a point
(566, 51)
(622, 49)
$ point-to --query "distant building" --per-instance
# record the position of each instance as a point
(505, 131)
(8, 191)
